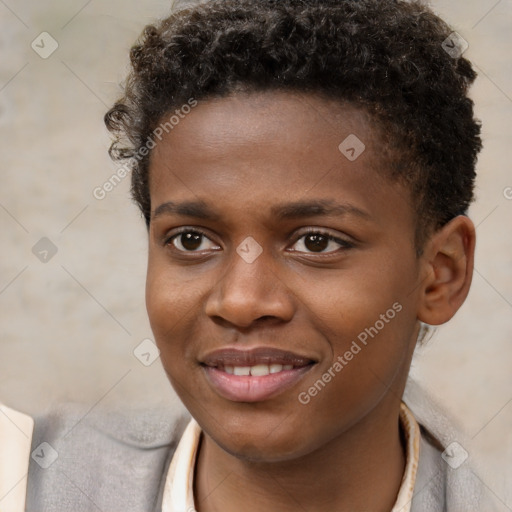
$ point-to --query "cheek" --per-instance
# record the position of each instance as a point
(174, 302)
(343, 306)
(367, 320)
(161, 302)
(168, 302)
(361, 373)
(169, 295)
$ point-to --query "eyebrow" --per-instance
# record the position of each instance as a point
(316, 207)
(299, 209)
(197, 209)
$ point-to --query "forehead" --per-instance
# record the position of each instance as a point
(253, 150)
(267, 118)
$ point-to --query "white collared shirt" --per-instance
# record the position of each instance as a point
(15, 440)
(179, 484)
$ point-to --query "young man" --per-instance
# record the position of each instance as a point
(304, 169)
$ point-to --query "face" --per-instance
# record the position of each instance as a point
(282, 272)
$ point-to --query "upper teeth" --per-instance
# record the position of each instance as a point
(257, 370)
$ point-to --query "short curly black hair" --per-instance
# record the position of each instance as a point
(395, 59)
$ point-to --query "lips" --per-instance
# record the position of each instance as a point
(254, 375)
(257, 356)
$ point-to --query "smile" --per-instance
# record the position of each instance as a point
(258, 370)
(254, 375)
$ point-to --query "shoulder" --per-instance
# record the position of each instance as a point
(109, 460)
(446, 478)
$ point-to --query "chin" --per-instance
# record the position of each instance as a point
(260, 447)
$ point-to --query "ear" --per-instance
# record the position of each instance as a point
(447, 262)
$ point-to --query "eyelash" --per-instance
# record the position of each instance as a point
(344, 244)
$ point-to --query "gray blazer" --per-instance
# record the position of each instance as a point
(117, 462)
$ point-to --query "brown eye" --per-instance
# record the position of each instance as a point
(320, 243)
(316, 243)
(191, 241)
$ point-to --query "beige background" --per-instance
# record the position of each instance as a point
(69, 326)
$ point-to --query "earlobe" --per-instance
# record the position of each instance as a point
(448, 261)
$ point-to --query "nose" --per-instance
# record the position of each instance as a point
(247, 293)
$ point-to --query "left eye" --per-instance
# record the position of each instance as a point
(319, 243)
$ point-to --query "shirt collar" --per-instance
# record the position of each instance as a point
(179, 484)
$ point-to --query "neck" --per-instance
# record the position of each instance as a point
(361, 469)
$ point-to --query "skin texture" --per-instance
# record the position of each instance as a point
(242, 156)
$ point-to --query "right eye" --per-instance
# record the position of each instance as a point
(191, 241)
